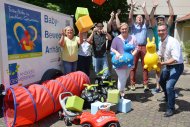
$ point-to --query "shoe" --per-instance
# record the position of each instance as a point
(163, 99)
(133, 87)
(168, 113)
(176, 95)
(146, 88)
(156, 90)
(122, 97)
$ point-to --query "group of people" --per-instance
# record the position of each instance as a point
(79, 52)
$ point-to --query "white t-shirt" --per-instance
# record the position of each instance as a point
(85, 49)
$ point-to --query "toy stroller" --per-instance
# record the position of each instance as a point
(66, 115)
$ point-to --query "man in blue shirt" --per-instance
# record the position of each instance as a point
(139, 30)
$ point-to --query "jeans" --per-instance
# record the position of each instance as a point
(69, 67)
(168, 78)
(99, 64)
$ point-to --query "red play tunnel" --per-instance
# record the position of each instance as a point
(24, 106)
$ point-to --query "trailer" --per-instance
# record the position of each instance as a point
(29, 38)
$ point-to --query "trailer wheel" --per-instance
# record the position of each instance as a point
(50, 74)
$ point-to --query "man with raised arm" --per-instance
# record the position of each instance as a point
(154, 23)
(139, 30)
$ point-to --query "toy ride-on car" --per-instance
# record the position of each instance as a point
(104, 83)
(102, 118)
(91, 93)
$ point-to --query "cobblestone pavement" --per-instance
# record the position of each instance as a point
(146, 111)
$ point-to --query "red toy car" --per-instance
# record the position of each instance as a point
(102, 118)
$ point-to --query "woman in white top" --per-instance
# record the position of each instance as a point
(84, 55)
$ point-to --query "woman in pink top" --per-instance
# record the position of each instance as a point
(69, 44)
(118, 48)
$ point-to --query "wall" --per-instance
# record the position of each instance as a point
(182, 31)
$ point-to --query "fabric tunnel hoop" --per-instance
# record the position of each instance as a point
(22, 106)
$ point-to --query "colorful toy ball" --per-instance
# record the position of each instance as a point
(99, 2)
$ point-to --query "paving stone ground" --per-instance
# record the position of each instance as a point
(146, 111)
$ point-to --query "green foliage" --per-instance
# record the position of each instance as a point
(97, 13)
(187, 48)
(53, 7)
(41, 3)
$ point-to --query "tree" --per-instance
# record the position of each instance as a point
(97, 13)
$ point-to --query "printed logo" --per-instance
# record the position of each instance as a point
(13, 73)
(27, 41)
(24, 38)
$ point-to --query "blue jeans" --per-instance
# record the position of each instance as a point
(99, 64)
(168, 78)
(69, 67)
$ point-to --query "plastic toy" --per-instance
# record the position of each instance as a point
(90, 94)
(99, 90)
(151, 58)
(39, 100)
(67, 115)
(126, 58)
(81, 11)
(113, 96)
(104, 83)
(124, 105)
(105, 106)
(75, 103)
(100, 119)
(99, 2)
(84, 23)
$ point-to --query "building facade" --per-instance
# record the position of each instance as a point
(181, 7)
